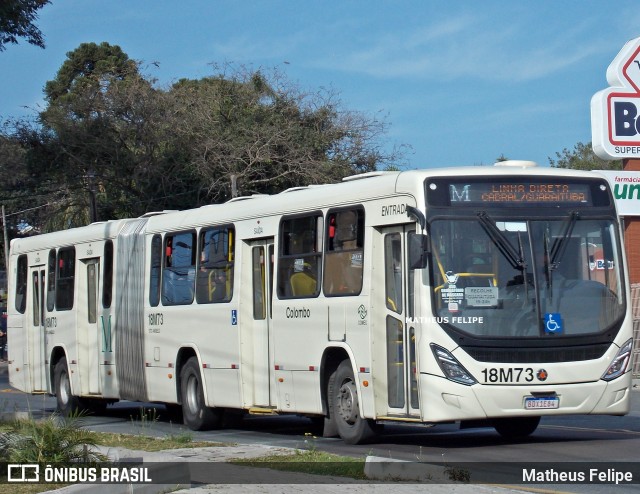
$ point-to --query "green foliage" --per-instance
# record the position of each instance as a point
(458, 474)
(311, 462)
(268, 135)
(582, 157)
(89, 70)
(109, 133)
(17, 19)
(56, 439)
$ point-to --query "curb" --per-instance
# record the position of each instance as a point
(168, 472)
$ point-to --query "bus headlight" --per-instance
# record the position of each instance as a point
(619, 363)
(450, 366)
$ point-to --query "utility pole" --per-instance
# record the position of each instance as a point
(6, 250)
(6, 241)
(234, 185)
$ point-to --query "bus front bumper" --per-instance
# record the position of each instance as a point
(445, 400)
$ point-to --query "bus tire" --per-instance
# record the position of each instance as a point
(345, 406)
(197, 416)
(66, 403)
(516, 427)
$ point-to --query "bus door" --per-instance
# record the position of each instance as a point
(89, 347)
(261, 284)
(37, 336)
(399, 332)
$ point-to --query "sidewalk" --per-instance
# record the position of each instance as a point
(185, 471)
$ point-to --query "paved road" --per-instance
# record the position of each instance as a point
(585, 440)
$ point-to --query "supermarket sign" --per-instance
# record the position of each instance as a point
(615, 111)
(626, 190)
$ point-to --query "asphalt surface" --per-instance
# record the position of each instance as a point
(208, 470)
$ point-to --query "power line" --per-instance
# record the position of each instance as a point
(30, 209)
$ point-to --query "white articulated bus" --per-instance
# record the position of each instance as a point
(485, 295)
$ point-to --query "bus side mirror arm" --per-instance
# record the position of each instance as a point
(417, 214)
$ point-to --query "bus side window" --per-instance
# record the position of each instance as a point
(393, 271)
(21, 285)
(344, 253)
(178, 275)
(51, 282)
(65, 282)
(107, 286)
(154, 278)
(300, 261)
(216, 265)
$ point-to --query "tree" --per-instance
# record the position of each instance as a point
(17, 19)
(101, 115)
(270, 135)
(109, 135)
(583, 158)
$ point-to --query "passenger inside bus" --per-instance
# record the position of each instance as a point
(179, 272)
(303, 280)
(343, 271)
(214, 276)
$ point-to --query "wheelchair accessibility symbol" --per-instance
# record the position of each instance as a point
(553, 323)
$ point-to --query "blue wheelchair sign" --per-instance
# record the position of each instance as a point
(234, 317)
(553, 323)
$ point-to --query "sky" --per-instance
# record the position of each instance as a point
(458, 82)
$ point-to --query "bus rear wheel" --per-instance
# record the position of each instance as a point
(516, 427)
(67, 403)
(345, 406)
(197, 416)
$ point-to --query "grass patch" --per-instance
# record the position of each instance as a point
(309, 461)
(146, 443)
(15, 488)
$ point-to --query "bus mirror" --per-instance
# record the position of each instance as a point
(418, 250)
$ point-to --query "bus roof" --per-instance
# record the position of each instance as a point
(352, 190)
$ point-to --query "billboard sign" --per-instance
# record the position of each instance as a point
(615, 111)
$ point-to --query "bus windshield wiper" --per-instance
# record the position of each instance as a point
(547, 265)
(515, 257)
(560, 243)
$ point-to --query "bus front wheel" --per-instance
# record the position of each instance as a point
(345, 406)
(67, 404)
(197, 416)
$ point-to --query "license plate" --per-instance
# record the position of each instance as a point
(536, 403)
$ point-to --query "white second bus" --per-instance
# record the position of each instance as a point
(492, 295)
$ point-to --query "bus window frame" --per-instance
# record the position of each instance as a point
(284, 288)
(211, 268)
(168, 257)
(351, 289)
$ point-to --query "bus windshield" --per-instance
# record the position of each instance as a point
(526, 278)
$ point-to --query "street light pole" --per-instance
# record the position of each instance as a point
(6, 241)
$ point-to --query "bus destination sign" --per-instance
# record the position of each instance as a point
(519, 193)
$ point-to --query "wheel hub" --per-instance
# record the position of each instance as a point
(65, 388)
(192, 394)
(348, 402)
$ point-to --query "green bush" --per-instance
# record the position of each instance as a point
(56, 440)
